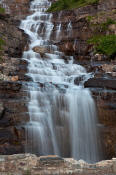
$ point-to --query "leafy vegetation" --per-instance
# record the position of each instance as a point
(2, 10)
(102, 26)
(70, 4)
(105, 44)
(105, 25)
(27, 172)
(2, 42)
(90, 18)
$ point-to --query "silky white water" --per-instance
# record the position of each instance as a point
(62, 114)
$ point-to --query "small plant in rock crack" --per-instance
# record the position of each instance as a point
(27, 172)
(104, 44)
(2, 42)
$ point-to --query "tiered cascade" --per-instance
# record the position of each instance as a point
(62, 114)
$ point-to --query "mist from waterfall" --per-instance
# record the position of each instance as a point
(62, 115)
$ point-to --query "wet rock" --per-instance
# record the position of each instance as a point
(14, 78)
(1, 110)
(41, 50)
(51, 160)
(13, 86)
(79, 79)
(101, 83)
(23, 77)
(18, 9)
(114, 68)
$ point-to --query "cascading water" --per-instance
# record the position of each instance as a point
(58, 31)
(62, 114)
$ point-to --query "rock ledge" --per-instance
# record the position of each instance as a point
(29, 164)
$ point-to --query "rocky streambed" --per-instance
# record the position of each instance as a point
(29, 164)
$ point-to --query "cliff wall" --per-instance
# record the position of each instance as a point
(12, 70)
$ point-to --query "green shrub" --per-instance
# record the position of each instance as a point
(100, 27)
(70, 4)
(105, 44)
(2, 42)
(27, 172)
(105, 25)
(89, 18)
(2, 10)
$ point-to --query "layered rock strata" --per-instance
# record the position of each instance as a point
(12, 76)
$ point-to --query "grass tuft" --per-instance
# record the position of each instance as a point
(70, 4)
(2, 42)
(104, 26)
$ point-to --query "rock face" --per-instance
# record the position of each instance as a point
(41, 50)
(15, 39)
(101, 83)
(12, 69)
(17, 9)
(28, 164)
(76, 28)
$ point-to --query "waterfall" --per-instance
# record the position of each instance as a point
(69, 27)
(58, 31)
(62, 115)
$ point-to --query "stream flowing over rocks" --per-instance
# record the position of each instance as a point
(62, 114)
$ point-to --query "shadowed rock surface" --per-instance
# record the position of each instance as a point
(12, 69)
